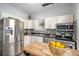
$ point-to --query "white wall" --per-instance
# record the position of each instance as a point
(8, 10)
(12, 10)
(76, 14)
(62, 10)
(76, 18)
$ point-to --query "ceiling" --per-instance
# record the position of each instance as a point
(36, 7)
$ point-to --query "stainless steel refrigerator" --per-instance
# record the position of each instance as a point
(11, 36)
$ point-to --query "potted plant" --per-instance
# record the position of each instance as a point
(29, 17)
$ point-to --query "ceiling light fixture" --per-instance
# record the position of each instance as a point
(46, 4)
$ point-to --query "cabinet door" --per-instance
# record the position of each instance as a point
(60, 19)
(40, 24)
(50, 23)
(47, 23)
(33, 39)
(68, 18)
(53, 21)
(36, 39)
(35, 24)
(65, 18)
(29, 24)
(27, 40)
(40, 39)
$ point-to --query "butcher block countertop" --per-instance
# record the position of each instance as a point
(43, 49)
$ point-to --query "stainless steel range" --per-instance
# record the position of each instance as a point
(11, 37)
(65, 33)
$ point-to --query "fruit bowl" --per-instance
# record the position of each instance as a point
(57, 44)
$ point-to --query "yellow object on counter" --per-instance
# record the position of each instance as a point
(57, 44)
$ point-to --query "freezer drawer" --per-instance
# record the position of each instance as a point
(1, 46)
(1, 50)
(17, 48)
(8, 50)
(12, 49)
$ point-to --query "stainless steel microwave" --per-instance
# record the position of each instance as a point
(64, 27)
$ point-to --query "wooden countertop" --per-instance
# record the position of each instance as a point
(38, 49)
(43, 49)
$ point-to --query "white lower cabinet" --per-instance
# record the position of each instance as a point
(27, 40)
(36, 39)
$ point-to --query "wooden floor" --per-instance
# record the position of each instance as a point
(22, 54)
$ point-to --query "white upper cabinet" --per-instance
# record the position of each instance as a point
(65, 18)
(47, 23)
(69, 18)
(36, 25)
(53, 22)
(60, 19)
(50, 23)
(33, 24)
(29, 24)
